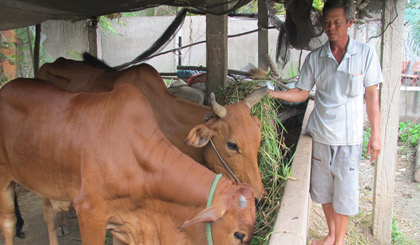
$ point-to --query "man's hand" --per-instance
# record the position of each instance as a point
(374, 148)
(373, 112)
(271, 94)
(293, 95)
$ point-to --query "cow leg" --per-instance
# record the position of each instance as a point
(7, 210)
(92, 227)
(20, 221)
(49, 219)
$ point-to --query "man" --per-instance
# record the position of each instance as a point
(341, 70)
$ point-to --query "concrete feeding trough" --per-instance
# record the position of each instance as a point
(291, 226)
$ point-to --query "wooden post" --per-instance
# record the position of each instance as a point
(217, 52)
(391, 59)
(262, 35)
(180, 51)
(37, 48)
(93, 36)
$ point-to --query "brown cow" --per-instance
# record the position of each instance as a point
(104, 152)
(235, 134)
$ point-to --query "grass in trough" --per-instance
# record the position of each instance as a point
(273, 163)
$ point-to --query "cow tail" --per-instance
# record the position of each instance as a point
(95, 62)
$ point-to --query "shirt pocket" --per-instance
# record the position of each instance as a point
(355, 86)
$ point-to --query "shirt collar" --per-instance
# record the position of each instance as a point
(351, 49)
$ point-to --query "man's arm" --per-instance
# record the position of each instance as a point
(373, 112)
(293, 95)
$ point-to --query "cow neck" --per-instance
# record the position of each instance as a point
(184, 180)
(209, 202)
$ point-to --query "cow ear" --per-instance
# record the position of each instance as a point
(210, 214)
(199, 136)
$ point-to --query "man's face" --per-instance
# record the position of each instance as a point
(336, 25)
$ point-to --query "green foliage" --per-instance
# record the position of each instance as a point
(366, 137)
(26, 39)
(396, 233)
(318, 4)
(251, 7)
(409, 133)
(105, 24)
(7, 45)
(75, 55)
(400, 238)
(108, 238)
(292, 70)
(412, 22)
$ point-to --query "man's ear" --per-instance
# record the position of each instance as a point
(350, 23)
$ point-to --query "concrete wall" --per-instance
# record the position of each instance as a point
(66, 39)
(138, 34)
(410, 103)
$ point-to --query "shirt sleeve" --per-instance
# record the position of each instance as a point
(373, 72)
(306, 79)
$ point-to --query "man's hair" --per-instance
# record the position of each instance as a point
(348, 5)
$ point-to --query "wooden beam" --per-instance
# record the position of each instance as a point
(37, 47)
(262, 35)
(217, 52)
(93, 36)
(391, 59)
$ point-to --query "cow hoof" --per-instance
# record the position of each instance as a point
(20, 234)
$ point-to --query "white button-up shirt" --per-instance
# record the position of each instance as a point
(337, 118)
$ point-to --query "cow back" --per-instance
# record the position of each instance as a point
(66, 136)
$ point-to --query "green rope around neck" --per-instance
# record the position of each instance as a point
(209, 201)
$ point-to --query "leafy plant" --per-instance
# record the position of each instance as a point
(409, 133)
(366, 136)
(5, 45)
(396, 233)
(400, 238)
(25, 45)
(105, 24)
(412, 22)
(318, 4)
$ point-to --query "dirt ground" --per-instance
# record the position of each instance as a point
(406, 211)
(406, 206)
(35, 228)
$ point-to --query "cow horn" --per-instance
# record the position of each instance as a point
(218, 109)
(255, 96)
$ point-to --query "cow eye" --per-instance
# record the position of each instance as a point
(239, 235)
(233, 146)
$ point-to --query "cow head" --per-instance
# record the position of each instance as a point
(236, 137)
(232, 216)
